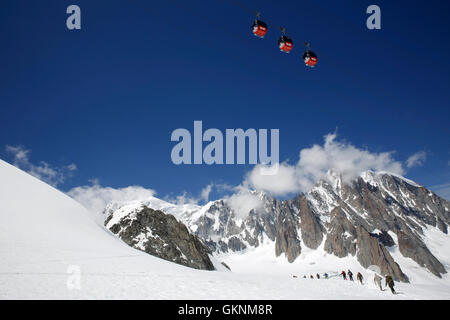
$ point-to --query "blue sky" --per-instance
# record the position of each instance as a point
(107, 97)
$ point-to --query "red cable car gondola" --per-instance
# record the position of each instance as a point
(285, 43)
(309, 57)
(259, 28)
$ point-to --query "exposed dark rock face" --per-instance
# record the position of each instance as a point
(287, 238)
(384, 238)
(311, 229)
(341, 235)
(414, 248)
(161, 235)
(384, 202)
(370, 252)
(442, 226)
(226, 266)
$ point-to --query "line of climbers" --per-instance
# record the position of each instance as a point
(376, 279)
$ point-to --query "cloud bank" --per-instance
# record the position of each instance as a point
(242, 202)
(95, 197)
(314, 163)
(52, 175)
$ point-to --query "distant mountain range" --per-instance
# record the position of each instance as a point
(378, 219)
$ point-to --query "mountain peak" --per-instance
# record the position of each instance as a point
(374, 178)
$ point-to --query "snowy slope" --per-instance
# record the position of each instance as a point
(44, 234)
(424, 285)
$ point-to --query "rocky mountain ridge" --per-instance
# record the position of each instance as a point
(363, 219)
(161, 235)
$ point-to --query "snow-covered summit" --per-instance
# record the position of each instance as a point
(375, 178)
(179, 211)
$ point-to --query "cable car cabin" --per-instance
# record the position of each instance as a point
(259, 28)
(285, 44)
(310, 58)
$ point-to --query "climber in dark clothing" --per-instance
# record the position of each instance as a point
(311, 276)
(318, 276)
(390, 283)
(350, 275)
(359, 277)
(343, 275)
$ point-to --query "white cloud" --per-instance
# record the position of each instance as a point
(43, 171)
(95, 197)
(316, 161)
(224, 187)
(188, 198)
(242, 202)
(283, 182)
(204, 195)
(181, 199)
(20, 154)
(417, 159)
(72, 167)
(240, 199)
